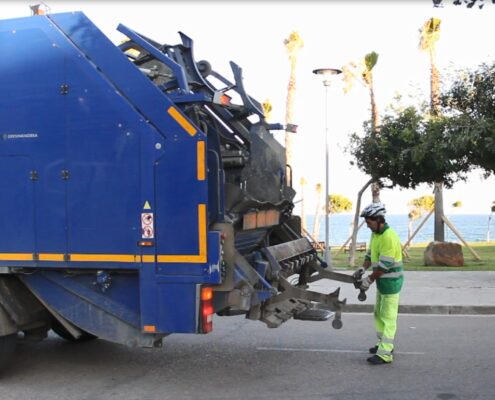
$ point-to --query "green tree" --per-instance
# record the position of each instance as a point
(467, 3)
(470, 101)
(415, 148)
(339, 204)
(411, 149)
(457, 204)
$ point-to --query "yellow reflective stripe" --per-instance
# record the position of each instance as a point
(183, 122)
(125, 258)
(148, 259)
(105, 257)
(181, 259)
(201, 161)
(16, 257)
(202, 229)
(50, 257)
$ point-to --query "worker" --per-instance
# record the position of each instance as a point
(385, 257)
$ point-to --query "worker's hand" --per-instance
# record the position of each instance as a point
(358, 273)
(366, 283)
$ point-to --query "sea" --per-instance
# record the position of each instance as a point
(473, 228)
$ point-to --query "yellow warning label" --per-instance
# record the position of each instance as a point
(147, 206)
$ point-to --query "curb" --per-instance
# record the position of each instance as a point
(425, 309)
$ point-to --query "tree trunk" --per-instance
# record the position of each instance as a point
(488, 228)
(435, 88)
(316, 225)
(375, 192)
(375, 121)
(352, 250)
(375, 118)
(439, 232)
(289, 110)
(303, 211)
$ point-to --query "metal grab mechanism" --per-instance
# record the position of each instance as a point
(297, 257)
(325, 274)
(293, 300)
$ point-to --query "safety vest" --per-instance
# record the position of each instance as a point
(385, 254)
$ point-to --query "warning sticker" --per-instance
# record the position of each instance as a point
(147, 230)
(147, 206)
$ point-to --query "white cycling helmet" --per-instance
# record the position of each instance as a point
(374, 210)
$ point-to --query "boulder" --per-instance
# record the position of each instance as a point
(445, 254)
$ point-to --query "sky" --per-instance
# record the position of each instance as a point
(251, 33)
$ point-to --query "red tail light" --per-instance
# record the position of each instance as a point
(206, 310)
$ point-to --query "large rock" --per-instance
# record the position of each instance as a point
(444, 253)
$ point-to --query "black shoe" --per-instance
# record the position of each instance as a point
(375, 360)
(374, 349)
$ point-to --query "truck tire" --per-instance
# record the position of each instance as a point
(64, 334)
(7, 348)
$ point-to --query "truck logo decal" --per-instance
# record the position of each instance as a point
(13, 136)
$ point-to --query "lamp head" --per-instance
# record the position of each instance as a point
(326, 74)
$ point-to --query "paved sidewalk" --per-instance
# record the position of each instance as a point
(435, 292)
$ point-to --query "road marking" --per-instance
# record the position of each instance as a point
(448, 315)
(415, 353)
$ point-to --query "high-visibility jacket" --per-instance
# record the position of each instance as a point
(385, 254)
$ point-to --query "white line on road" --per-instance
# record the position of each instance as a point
(329, 350)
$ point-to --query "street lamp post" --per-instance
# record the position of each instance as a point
(326, 74)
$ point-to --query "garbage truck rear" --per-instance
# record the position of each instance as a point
(142, 192)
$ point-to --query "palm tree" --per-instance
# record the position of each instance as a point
(339, 204)
(430, 33)
(267, 109)
(417, 207)
(316, 225)
(293, 44)
(412, 215)
(363, 71)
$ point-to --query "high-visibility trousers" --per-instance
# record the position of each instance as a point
(386, 312)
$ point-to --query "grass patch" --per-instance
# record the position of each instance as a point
(485, 250)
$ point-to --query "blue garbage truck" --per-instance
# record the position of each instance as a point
(142, 192)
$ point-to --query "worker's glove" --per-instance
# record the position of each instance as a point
(365, 284)
(358, 273)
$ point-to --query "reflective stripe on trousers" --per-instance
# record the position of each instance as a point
(385, 313)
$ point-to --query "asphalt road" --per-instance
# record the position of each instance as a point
(437, 357)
